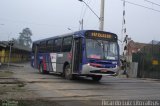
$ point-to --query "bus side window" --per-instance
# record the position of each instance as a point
(58, 45)
(42, 47)
(33, 47)
(67, 44)
(50, 45)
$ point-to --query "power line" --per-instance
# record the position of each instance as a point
(83, 13)
(152, 2)
(141, 6)
(90, 8)
(86, 9)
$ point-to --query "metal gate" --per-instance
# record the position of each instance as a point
(148, 59)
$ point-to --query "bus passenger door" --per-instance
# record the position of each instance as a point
(77, 55)
(36, 57)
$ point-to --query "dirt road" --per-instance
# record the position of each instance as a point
(53, 89)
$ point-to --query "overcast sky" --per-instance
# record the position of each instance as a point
(48, 18)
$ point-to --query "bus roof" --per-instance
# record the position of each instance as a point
(77, 33)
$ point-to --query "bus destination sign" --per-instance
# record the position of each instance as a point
(101, 35)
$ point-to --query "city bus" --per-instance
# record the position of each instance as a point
(89, 53)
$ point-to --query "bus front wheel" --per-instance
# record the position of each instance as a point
(97, 77)
(68, 73)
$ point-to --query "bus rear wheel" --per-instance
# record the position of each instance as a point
(68, 73)
(97, 77)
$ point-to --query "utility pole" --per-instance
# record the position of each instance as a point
(101, 19)
(81, 24)
(10, 43)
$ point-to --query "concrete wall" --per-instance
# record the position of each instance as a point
(133, 69)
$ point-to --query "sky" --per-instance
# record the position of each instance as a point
(48, 18)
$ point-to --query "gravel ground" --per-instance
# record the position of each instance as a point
(30, 88)
(12, 88)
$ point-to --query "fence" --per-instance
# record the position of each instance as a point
(16, 56)
(148, 61)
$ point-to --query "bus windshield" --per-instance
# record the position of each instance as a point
(100, 49)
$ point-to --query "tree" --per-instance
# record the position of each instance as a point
(25, 37)
(15, 40)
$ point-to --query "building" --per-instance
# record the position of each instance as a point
(133, 47)
(154, 42)
(18, 53)
(148, 58)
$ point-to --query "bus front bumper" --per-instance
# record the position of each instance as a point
(90, 70)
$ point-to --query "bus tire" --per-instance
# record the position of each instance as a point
(97, 78)
(68, 72)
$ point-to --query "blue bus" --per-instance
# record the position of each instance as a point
(89, 53)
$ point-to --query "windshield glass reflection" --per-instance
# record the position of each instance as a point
(99, 49)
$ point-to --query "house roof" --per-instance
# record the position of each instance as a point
(155, 42)
(2, 45)
(139, 45)
(136, 44)
(16, 46)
